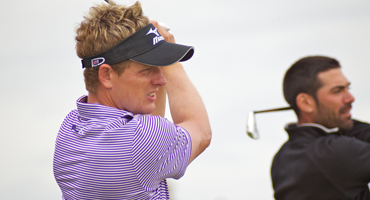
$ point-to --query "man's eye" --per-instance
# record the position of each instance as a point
(144, 70)
(338, 90)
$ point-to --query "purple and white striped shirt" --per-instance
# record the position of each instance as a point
(105, 153)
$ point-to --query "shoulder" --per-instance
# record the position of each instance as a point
(155, 129)
(338, 144)
(339, 150)
(157, 124)
(160, 146)
(152, 122)
(69, 119)
(71, 115)
(341, 158)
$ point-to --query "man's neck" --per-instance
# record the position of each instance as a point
(100, 97)
(303, 119)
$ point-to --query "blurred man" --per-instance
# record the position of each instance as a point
(327, 155)
(113, 146)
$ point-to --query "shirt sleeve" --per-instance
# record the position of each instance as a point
(344, 160)
(160, 150)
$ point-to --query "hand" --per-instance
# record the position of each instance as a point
(166, 35)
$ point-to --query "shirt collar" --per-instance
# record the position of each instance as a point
(95, 110)
(327, 130)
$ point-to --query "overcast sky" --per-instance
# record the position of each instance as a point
(242, 50)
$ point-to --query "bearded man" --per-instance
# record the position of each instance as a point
(327, 155)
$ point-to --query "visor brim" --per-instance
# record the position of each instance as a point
(165, 54)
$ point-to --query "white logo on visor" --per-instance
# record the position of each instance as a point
(157, 38)
(97, 61)
(151, 31)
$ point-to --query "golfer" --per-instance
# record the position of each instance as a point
(327, 155)
(114, 145)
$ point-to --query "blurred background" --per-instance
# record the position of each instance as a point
(242, 50)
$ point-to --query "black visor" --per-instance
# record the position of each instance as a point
(145, 46)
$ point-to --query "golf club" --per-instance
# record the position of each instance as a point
(251, 121)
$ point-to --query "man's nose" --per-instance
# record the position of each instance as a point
(349, 98)
(158, 78)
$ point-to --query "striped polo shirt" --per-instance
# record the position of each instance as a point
(105, 153)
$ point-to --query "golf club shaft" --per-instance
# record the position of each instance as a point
(272, 110)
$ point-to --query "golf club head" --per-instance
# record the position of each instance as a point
(251, 121)
(251, 126)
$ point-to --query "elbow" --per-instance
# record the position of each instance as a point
(199, 144)
(207, 138)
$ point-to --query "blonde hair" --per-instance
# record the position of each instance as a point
(103, 27)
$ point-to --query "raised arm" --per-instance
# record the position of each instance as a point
(160, 102)
(186, 105)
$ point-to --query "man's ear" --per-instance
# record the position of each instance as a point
(306, 103)
(106, 75)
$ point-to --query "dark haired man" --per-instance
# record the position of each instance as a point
(327, 155)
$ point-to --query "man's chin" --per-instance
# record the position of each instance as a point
(346, 125)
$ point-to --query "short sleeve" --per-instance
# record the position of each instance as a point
(161, 150)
